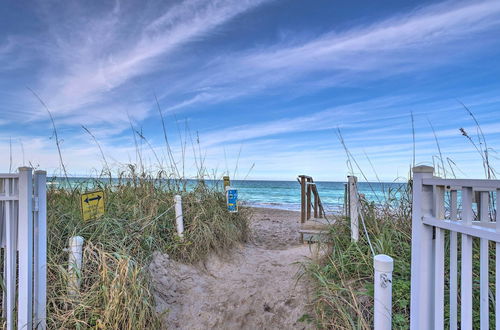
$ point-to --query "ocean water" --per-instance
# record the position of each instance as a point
(285, 194)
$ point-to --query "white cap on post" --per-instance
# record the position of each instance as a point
(423, 169)
(383, 263)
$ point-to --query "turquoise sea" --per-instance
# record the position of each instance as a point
(286, 194)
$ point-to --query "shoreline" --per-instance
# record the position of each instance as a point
(283, 207)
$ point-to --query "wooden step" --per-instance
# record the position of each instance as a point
(313, 235)
(315, 223)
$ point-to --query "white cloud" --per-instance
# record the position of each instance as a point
(431, 36)
(105, 53)
(93, 66)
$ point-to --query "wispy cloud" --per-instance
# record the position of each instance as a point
(92, 58)
(392, 117)
(341, 116)
(431, 36)
(99, 64)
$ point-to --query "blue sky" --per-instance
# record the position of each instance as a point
(263, 84)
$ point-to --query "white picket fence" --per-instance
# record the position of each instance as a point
(23, 239)
(442, 206)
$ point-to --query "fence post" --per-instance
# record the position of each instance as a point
(346, 200)
(308, 199)
(75, 265)
(316, 201)
(383, 265)
(302, 198)
(421, 304)
(25, 249)
(353, 207)
(40, 251)
(179, 219)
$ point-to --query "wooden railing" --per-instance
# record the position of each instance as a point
(308, 191)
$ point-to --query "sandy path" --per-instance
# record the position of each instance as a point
(255, 288)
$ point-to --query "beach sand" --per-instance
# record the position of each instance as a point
(256, 287)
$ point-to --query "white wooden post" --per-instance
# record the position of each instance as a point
(421, 306)
(179, 219)
(354, 207)
(40, 250)
(25, 249)
(383, 265)
(75, 265)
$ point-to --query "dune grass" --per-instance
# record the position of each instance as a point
(344, 277)
(116, 292)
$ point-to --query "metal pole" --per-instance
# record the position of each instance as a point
(383, 265)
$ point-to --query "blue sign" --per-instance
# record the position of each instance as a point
(232, 199)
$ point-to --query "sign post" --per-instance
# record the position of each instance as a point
(227, 182)
(232, 199)
(92, 205)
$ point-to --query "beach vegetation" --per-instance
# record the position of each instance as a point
(344, 276)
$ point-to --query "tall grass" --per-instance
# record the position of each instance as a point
(115, 288)
(139, 219)
(344, 278)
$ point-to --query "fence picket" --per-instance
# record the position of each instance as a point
(466, 271)
(10, 255)
(484, 198)
(453, 264)
(438, 210)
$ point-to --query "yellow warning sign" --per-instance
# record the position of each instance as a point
(227, 182)
(92, 205)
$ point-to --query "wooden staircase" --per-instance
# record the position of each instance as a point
(314, 225)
